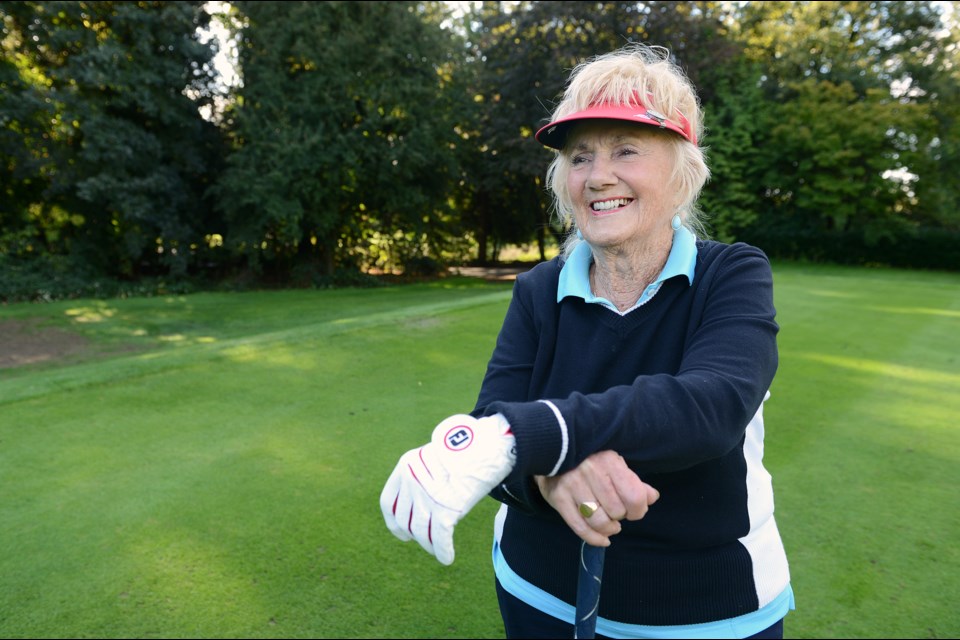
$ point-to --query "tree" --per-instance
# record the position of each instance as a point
(25, 148)
(125, 156)
(344, 145)
(861, 115)
(833, 150)
(735, 118)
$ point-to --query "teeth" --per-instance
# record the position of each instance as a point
(606, 205)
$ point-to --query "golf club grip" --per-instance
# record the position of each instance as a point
(589, 578)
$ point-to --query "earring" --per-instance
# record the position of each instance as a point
(676, 222)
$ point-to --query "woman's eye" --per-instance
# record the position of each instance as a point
(577, 160)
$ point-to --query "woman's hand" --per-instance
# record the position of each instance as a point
(605, 480)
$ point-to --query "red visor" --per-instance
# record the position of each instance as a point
(554, 135)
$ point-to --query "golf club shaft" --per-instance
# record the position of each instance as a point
(588, 590)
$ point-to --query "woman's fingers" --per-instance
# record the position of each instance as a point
(595, 496)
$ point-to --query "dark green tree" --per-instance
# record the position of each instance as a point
(26, 228)
(857, 137)
(124, 155)
(833, 153)
(735, 117)
(926, 68)
(345, 136)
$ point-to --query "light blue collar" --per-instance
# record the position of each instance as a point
(575, 274)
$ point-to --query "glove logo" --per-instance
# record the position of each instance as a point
(458, 438)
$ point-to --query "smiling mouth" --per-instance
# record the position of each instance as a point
(606, 206)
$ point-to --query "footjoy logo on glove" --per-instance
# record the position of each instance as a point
(458, 438)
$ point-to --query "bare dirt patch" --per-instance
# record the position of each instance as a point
(24, 342)
(498, 273)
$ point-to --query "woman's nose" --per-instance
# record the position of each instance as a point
(601, 174)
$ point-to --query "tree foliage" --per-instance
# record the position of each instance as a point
(345, 148)
(397, 135)
(115, 157)
(859, 134)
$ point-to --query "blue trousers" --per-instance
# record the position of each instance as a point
(520, 620)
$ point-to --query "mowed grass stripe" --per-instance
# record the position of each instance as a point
(124, 367)
(864, 449)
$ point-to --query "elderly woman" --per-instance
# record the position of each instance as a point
(623, 403)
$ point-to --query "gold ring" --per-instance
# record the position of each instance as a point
(587, 509)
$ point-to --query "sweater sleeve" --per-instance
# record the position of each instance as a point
(519, 344)
(669, 422)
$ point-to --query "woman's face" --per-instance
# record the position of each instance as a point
(620, 184)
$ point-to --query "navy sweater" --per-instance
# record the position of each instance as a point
(672, 387)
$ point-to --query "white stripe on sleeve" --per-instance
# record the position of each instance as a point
(563, 434)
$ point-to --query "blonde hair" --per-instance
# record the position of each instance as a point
(618, 78)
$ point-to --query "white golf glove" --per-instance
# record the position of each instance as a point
(433, 487)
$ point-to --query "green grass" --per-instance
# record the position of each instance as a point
(864, 444)
(213, 470)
